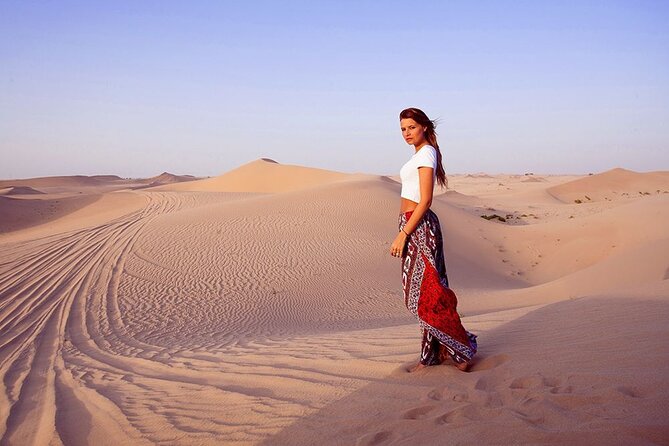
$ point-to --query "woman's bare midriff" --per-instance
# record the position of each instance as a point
(407, 205)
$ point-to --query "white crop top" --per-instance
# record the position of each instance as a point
(425, 157)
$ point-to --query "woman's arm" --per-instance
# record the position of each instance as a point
(426, 181)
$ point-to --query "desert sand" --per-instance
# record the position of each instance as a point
(261, 306)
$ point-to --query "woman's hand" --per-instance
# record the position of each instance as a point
(398, 244)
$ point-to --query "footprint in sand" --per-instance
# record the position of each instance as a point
(530, 401)
(632, 392)
(461, 415)
(447, 393)
(374, 438)
(460, 397)
(493, 400)
(489, 362)
(562, 390)
(436, 394)
(417, 412)
(483, 384)
(532, 419)
(537, 381)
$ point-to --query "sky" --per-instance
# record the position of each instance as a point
(135, 88)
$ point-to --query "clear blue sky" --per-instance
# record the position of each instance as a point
(135, 88)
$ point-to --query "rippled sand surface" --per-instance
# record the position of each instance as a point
(252, 308)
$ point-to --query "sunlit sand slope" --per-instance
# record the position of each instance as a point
(263, 175)
(262, 306)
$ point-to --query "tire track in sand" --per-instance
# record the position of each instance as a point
(72, 372)
(47, 288)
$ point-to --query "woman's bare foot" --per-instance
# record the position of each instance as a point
(417, 367)
(463, 366)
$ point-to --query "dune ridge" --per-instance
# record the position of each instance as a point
(613, 184)
(20, 190)
(164, 178)
(263, 175)
(61, 180)
(20, 214)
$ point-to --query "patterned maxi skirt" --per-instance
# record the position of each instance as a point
(428, 296)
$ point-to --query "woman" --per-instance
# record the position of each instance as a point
(419, 244)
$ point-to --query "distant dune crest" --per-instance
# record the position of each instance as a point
(19, 190)
(165, 178)
(611, 185)
(264, 175)
(534, 179)
(62, 181)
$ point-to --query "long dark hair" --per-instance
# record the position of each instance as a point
(421, 118)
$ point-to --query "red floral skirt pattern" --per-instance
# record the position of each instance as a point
(426, 291)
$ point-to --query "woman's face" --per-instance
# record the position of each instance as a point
(412, 132)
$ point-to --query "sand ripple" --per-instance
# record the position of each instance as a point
(209, 317)
(99, 326)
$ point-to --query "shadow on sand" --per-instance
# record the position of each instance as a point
(584, 371)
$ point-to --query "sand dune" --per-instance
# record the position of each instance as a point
(19, 214)
(261, 306)
(533, 179)
(613, 184)
(163, 178)
(36, 218)
(62, 181)
(585, 387)
(555, 249)
(167, 177)
(263, 176)
(65, 195)
(20, 190)
(478, 175)
(79, 184)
